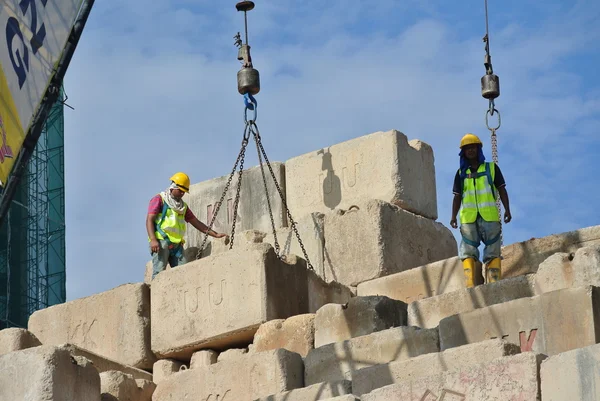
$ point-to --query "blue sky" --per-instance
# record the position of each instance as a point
(154, 90)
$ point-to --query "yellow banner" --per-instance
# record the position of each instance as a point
(11, 131)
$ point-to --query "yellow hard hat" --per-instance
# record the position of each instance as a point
(182, 181)
(470, 139)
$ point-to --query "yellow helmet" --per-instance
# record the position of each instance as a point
(470, 139)
(182, 181)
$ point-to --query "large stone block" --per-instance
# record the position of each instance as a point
(564, 270)
(421, 282)
(383, 165)
(368, 379)
(165, 368)
(296, 334)
(525, 257)
(253, 212)
(119, 386)
(341, 360)
(114, 324)
(343, 398)
(548, 324)
(47, 373)
(428, 312)
(16, 339)
(205, 357)
(513, 378)
(359, 317)
(220, 301)
(320, 391)
(573, 375)
(380, 239)
(248, 378)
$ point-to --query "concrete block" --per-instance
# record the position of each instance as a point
(165, 368)
(368, 379)
(428, 312)
(231, 354)
(103, 364)
(114, 324)
(296, 334)
(47, 373)
(348, 397)
(421, 282)
(341, 360)
(220, 301)
(513, 378)
(525, 257)
(359, 317)
(205, 357)
(380, 239)
(382, 165)
(572, 375)
(16, 339)
(118, 386)
(566, 270)
(320, 391)
(547, 324)
(253, 212)
(253, 376)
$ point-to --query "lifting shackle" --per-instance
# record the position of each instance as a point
(248, 79)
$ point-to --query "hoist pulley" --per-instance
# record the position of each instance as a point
(248, 79)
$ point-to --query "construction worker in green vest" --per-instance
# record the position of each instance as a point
(476, 186)
(166, 224)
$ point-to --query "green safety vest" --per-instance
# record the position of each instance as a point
(479, 195)
(170, 224)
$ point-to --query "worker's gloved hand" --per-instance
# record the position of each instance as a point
(154, 246)
(507, 216)
(453, 223)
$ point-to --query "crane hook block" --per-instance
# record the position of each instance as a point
(245, 6)
(490, 86)
(248, 81)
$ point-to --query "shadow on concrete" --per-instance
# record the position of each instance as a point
(331, 185)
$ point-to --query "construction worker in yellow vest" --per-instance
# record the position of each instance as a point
(476, 185)
(166, 224)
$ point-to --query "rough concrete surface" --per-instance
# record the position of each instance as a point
(231, 354)
(339, 361)
(296, 334)
(368, 379)
(379, 239)
(428, 312)
(359, 317)
(114, 324)
(513, 378)
(165, 368)
(16, 339)
(319, 391)
(525, 257)
(47, 373)
(566, 270)
(572, 375)
(119, 386)
(343, 398)
(547, 324)
(345, 174)
(247, 378)
(205, 357)
(220, 301)
(253, 212)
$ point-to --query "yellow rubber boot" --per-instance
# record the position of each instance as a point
(469, 270)
(494, 272)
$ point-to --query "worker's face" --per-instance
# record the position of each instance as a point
(177, 193)
(471, 151)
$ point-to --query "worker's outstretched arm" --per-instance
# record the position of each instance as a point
(204, 228)
(154, 245)
(504, 198)
(455, 208)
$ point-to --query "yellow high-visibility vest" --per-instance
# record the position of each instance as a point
(479, 195)
(172, 225)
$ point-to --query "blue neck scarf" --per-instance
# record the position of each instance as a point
(464, 163)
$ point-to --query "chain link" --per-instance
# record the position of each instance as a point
(238, 189)
(494, 141)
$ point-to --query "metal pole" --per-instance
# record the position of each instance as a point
(50, 97)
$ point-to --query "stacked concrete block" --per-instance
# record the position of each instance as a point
(47, 373)
(249, 377)
(359, 317)
(232, 354)
(16, 339)
(383, 165)
(368, 379)
(165, 368)
(428, 312)
(253, 212)
(506, 378)
(220, 301)
(548, 324)
(114, 324)
(205, 357)
(296, 334)
(120, 386)
(343, 398)
(564, 270)
(573, 375)
(320, 391)
(339, 361)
